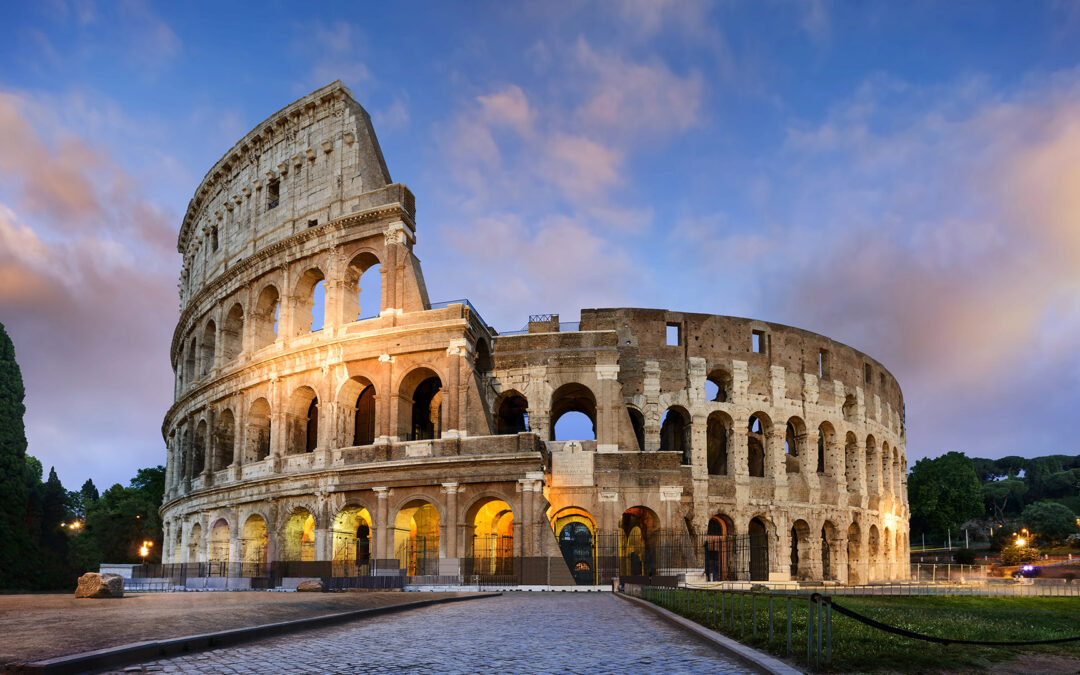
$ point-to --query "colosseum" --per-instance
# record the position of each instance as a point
(331, 420)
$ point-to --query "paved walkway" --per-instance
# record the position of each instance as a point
(514, 633)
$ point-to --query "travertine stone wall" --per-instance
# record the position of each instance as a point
(265, 419)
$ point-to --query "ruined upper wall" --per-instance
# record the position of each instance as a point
(311, 162)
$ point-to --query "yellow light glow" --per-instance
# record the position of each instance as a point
(1021, 542)
(144, 551)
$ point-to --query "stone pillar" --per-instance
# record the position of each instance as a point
(383, 540)
(211, 446)
(651, 409)
(608, 518)
(834, 462)
(386, 402)
(608, 408)
(452, 400)
(774, 454)
(451, 491)
(807, 445)
(527, 485)
(738, 456)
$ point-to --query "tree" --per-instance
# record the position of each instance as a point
(52, 568)
(1049, 521)
(13, 489)
(123, 517)
(997, 494)
(944, 492)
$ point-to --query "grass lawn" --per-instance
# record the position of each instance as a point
(861, 648)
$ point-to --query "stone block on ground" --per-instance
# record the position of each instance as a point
(94, 585)
(310, 586)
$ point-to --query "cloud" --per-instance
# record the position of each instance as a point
(88, 294)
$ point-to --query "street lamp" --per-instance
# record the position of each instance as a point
(144, 550)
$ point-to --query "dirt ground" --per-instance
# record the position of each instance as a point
(43, 626)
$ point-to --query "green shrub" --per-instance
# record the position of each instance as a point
(1016, 555)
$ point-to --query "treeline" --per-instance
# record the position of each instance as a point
(48, 534)
(1002, 495)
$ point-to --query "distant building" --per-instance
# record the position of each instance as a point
(393, 433)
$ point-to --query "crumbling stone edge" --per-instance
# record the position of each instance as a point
(757, 660)
(138, 652)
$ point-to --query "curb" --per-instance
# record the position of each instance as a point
(137, 652)
(758, 661)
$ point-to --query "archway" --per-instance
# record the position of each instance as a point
(513, 414)
(853, 543)
(637, 423)
(720, 549)
(675, 433)
(352, 542)
(794, 444)
(416, 538)
(226, 440)
(421, 392)
(826, 440)
(208, 342)
(232, 334)
(298, 540)
(258, 431)
(219, 548)
(716, 442)
(363, 288)
(756, 437)
(253, 544)
(873, 554)
(575, 530)
(565, 401)
(198, 460)
(492, 522)
(828, 536)
(800, 549)
(758, 541)
(718, 386)
(638, 532)
(194, 543)
(302, 421)
(265, 318)
(310, 295)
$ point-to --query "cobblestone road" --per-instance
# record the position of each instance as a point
(514, 633)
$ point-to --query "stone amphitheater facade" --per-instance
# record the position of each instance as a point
(413, 435)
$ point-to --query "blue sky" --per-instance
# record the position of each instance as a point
(902, 177)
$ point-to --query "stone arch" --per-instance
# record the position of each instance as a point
(357, 398)
(720, 550)
(264, 318)
(304, 293)
(253, 545)
(490, 521)
(829, 537)
(757, 438)
(794, 443)
(758, 535)
(219, 545)
(194, 543)
(639, 529)
(800, 551)
(302, 421)
(637, 423)
(363, 287)
(191, 369)
(512, 413)
(298, 536)
(232, 334)
(826, 442)
(886, 553)
(873, 466)
(209, 340)
(352, 537)
(675, 432)
(573, 397)
(417, 525)
(225, 439)
(851, 458)
(718, 430)
(258, 431)
(575, 530)
(873, 546)
(420, 395)
(718, 385)
(198, 447)
(856, 574)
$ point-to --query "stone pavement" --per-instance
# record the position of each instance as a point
(514, 633)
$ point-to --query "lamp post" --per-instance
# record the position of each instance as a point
(144, 550)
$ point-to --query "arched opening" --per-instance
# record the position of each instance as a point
(298, 540)
(675, 432)
(363, 288)
(825, 441)
(794, 444)
(720, 549)
(426, 413)
(828, 535)
(264, 320)
(716, 443)
(302, 421)
(310, 302)
(198, 458)
(191, 362)
(232, 334)
(492, 523)
(194, 543)
(225, 443)
(853, 557)
(638, 532)
(416, 538)
(576, 403)
(756, 437)
(513, 414)
(718, 386)
(800, 548)
(219, 548)
(208, 341)
(758, 540)
(886, 469)
(253, 544)
(873, 467)
(886, 554)
(575, 529)
(483, 362)
(258, 431)
(637, 423)
(352, 542)
(874, 554)
(851, 458)
(356, 399)
(364, 417)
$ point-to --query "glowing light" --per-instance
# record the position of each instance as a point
(1021, 541)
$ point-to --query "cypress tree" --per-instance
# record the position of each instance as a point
(13, 488)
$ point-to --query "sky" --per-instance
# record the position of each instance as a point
(901, 177)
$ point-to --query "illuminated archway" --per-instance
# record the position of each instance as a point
(219, 546)
(194, 543)
(352, 541)
(253, 542)
(492, 522)
(298, 542)
(638, 530)
(416, 538)
(575, 530)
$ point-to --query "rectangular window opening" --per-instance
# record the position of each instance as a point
(757, 339)
(881, 380)
(823, 364)
(273, 194)
(313, 223)
(674, 335)
(868, 373)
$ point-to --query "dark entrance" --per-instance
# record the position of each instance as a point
(576, 544)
